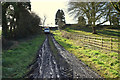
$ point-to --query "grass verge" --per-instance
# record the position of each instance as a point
(16, 60)
(104, 63)
(53, 49)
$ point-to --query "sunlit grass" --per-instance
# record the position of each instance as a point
(0, 32)
(106, 33)
(15, 61)
(104, 63)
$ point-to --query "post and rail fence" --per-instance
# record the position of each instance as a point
(111, 44)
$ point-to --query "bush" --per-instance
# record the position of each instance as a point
(28, 24)
(6, 43)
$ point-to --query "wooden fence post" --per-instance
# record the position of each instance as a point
(88, 40)
(83, 42)
(94, 43)
(84, 39)
(118, 46)
(111, 44)
(101, 42)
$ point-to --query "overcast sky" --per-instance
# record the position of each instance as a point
(49, 9)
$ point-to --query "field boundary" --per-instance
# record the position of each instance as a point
(111, 44)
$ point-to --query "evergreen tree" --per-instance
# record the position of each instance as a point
(60, 18)
(18, 21)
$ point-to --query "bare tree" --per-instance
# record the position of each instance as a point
(94, 12)
(44, 19)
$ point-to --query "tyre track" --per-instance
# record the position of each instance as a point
(80, 70)
(48, 66)
(62, 65)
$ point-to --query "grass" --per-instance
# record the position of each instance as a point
(16, 61)
(106, 33)
(52, 46)
(109, 33)
(53, 49)
(0, 55)
(0, 32)
(104, 63)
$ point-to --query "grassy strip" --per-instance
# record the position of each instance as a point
(105, 64)
(15, 61)
(53, 48)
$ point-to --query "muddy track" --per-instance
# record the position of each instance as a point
(58, 65)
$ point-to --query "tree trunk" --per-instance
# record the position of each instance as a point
(110, 19)
(4, 24)
(89, 22)
(94, 30)
(93, 14)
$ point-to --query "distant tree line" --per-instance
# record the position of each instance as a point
(18, 21)
(95, 13)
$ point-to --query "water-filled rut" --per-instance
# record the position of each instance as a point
(61, 64)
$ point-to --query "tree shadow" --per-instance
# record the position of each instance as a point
(109, 33)
(100, 31)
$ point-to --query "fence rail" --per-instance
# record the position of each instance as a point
(111, 44)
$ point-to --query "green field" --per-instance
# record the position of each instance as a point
(0, 57)
(0, 32)
(104, 63)
(107, 33)
(16, 60)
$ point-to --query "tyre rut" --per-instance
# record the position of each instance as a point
(60, 65)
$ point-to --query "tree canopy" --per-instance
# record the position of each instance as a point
(18, 21)
(60, 18)
(81, 21)
(116, 5)
(96, 13)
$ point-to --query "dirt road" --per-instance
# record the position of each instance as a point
(61, 64)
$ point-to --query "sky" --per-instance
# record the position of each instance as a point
(49, 9)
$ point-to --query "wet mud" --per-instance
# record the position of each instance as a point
(60, 65)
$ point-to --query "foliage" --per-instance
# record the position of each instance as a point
(116, 5)
(60, 18)
(104, 63)
(16, 60)
(115, 20)
(89, 9)
(96, 13)
(28, 25)
(81, 21)
(18, 20)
